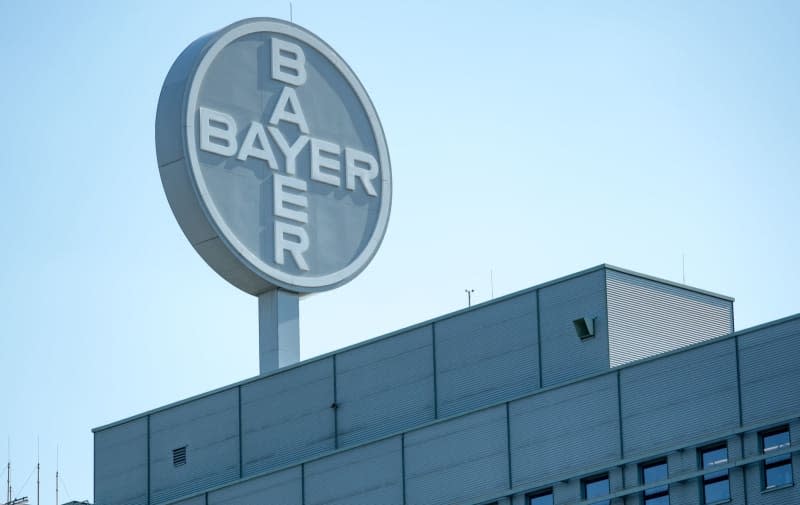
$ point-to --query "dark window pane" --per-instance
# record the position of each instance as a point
(661, 500)
(717, 491)
(778, 475)
(542, 499)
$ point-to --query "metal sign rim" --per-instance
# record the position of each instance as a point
(269, 273)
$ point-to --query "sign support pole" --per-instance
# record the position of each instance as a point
(278, 330)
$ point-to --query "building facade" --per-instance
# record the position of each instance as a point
(606, 387)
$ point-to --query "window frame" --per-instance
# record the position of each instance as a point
(539, 493)
(778, 461)
(648, 493)
(721, 477)
(586, 481)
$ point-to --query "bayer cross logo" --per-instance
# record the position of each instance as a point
(275, 163)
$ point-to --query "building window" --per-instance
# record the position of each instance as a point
(544, 497)
(777, 470)
(595, 487)
(179, 456)
(716, 488)
(655, 471)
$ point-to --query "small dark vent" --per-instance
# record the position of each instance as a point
(179, 456)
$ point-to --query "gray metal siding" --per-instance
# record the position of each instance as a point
(209, 428)
(459, 460)
(385, 387)
(679, 397)
(564, 355)
(288, 416)
(769, 360)
(646, 317)
(486, 355)
(367, 475)
(279, 488)
(196, 500)
(120, 464)
(565, 430)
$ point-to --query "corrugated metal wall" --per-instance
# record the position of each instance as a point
(287, 417)
(211, 441)
(646, 317)
(487, 355)
(284, 487)
(550, 430)
(768, 361)
(557, 436)
(385, 387)
(702, 382)
(367, 475)
(564, 355)
(120, 464)
(467, 360)
(458, 460)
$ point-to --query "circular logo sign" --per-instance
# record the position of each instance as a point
(273, 158)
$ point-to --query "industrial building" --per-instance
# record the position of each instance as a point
(605, 387)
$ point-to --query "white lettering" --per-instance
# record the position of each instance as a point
(290, 152)
(288, 62)
(354, 168)
(263, 151)
(282, 113)
(318, 162)
(296, 248)
(224, 135)
(282, 197)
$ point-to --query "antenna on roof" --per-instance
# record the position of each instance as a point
(56, 474)
(469, 296)
(291, 17)
(683, 266)
(8, 472)
(491, 282)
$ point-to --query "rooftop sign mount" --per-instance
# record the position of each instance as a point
(274, 162)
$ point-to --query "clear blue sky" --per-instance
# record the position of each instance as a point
(529, 139)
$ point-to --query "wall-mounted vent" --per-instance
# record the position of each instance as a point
(179, 456)
(584, 327)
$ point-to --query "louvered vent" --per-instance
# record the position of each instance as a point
(179, 456)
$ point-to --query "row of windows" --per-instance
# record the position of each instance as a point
(776, 472)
